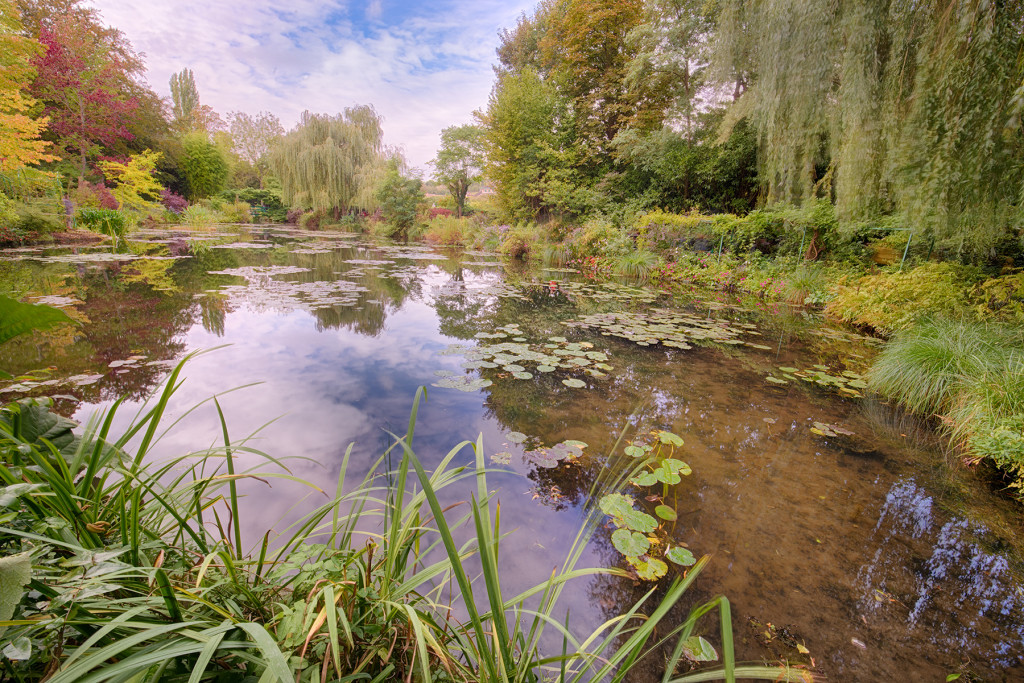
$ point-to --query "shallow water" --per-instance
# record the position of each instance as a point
(863, 549)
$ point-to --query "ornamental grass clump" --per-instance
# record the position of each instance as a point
(971, 376)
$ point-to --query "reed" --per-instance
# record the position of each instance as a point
(139, 572)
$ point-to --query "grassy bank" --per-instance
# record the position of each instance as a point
(120, 566)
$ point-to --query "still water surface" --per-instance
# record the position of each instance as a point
(863, 548)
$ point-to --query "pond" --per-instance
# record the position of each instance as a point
(835, 525)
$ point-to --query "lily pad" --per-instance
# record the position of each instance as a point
(666, 513)
(650, 569)
(681, 556)
(696, 649)
(644, 479)
(574, 383)
(516, 437)
(545, 368)
(630, 542)
(670, 439)
(522, 375)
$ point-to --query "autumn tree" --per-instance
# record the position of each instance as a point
(20, 143)
(325, 162)
(459, 162)
(80, 78)
(133, 182)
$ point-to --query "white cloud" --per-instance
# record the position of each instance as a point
(422, 66)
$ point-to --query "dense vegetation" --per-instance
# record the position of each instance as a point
(863, 157)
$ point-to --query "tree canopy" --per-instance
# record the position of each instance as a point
(325, 161)
(459, 162)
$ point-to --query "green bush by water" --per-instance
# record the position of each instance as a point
(970, 375)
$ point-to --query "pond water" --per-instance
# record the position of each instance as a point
(834, 524)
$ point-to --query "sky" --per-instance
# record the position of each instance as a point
(422, 65)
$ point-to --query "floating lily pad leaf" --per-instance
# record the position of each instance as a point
(820, 367)
(674, 465)
(502, 458)
(634, 451)
(669, 439)
(857, 384)
(630, 542)
(596, 374)
(558, 340)
(644, 479)
(666, 513)
(512, 367)
(785, 369)
(574, 383)
(488, 364)
(832, 430)
(852, 375)
(545, 368)
(696, 649)
(635, 520)
(561, 451)
(651, 569)
(576, 443)
(519, 339)
(516, 437)
(522, 375)
(776, 380)
(541, 459)
(681, 556)
(616, 505)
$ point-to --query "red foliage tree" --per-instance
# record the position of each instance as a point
(80, 78)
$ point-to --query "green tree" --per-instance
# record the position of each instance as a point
(906, 108)
(398, 199)
(253, 137)
(327, 162)
(203, 165)
(459, 162)
(184, 99)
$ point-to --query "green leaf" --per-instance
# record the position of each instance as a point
(630, 543)
(634, 451)
(17, 318)
(651, 569)
(18, 650)
(681, 556)
(696, 649)
(670, 439)
(516, 437)
(15, 573)
(616, 505)
(644, 479)
(574, 383)
(639, 521)
(666, 513)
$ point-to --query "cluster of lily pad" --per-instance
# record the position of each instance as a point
(639, 536)
(262, 289)
(830, 430)
(846, 382)
(520, 359)
(675, 329)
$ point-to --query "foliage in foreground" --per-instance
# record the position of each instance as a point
(137, 572)
(969, 374)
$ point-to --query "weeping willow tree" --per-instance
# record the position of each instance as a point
(906, 108)
(329, 162)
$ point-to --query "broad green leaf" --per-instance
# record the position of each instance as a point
(634, 451)
(670, 439)
(630, 543)
(639, 521)
(616, 505)
(15, 572)
(18, 318)
(680, 555)
(666, 513)
(650, 570)
(644, 479)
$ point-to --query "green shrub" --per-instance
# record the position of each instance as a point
(891, 301)
(1000, 298)
(518, 242)
(450, 231)
(969, 374)
(638, 263)
(112, 223)
(199, 216)
(236, 212)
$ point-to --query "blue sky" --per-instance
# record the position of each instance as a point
(422, 65)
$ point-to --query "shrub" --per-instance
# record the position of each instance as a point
(112, 223)
(891, 301)
(518, 242)
(450, 231)
(436, 211)
(174, 203)
(236, 212)
(310, 220)
(972, 376)
(639, 263)
(94, 195)
(1000, 298)
(199, 216)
